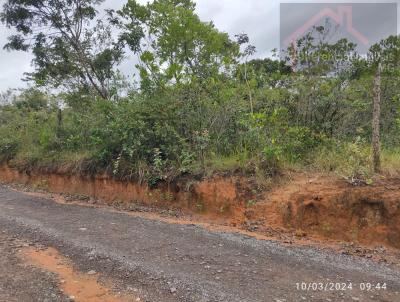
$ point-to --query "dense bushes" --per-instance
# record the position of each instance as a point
(161, 137)
(200, 104)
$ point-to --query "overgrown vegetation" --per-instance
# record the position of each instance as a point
(201, 105)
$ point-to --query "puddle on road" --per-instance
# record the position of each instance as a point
(82, 287)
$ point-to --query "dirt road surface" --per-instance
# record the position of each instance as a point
(150, 260)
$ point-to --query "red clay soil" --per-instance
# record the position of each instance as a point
(78, 286)
(331, 208)
(317, 205)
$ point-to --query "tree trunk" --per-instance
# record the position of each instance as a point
(249, 88)
(59, 123)
(376, 119)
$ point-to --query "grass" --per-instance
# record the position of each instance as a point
(218, 163)
(391, 162)
(226, 163)
(356, 161)
(36, 157)
(351, 160)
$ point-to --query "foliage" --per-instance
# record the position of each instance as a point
(177, 47)
(350, 160)
(203, 104)
(67, 50)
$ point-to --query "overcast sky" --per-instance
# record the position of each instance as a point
(258, 18)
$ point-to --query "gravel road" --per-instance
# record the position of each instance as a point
(171, 262)
(21, 282)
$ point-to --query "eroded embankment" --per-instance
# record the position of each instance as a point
(219, 196)
(319, 206)
(331, 208)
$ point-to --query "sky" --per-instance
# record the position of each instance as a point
(258, 18)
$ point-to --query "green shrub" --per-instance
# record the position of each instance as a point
(271, 160)
(351, 160)
(8, 148)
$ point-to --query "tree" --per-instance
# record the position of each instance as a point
(384, 60)
(376, 118)
(322, 68)
(70, 47)
(243, 39)
(7, 97)
(175, 45)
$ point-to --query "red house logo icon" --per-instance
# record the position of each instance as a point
(342, 17)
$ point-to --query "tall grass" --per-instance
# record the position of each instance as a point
(391, 162)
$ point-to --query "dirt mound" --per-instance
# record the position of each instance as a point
(330, 208)
(317, 205)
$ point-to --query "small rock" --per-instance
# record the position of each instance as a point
(172, 290)
(355, 299)
(92, 272)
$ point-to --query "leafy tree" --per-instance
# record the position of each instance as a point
(249, 50)
(70, 47)
(7, 97)
(322, 69)
(176, 46)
